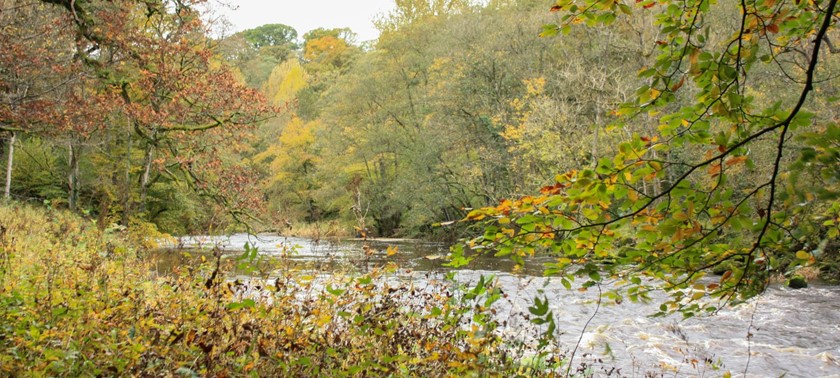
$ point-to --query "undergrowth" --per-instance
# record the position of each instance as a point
(76, 300)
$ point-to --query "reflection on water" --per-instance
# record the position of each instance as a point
(795, 333)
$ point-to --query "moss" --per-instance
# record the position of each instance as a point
(797, 282)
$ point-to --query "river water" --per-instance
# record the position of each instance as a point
(784, 332)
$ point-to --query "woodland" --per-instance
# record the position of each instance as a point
(653, 143)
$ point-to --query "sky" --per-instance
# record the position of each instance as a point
(305, 15)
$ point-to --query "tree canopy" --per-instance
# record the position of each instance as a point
(271, 35)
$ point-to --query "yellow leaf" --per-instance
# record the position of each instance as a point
(654, 93)
(655, 165)
(323, 320)
(475, 215)
(563, 261)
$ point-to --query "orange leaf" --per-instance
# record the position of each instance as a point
(736, 160)
(773, 28)
(678, 85)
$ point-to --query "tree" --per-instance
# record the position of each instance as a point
(711, 187)
(328, 50)
(285, 81)
(271, 35)
(255, 52)
(36, 67)
(293, 164)
(131, 78)
(327, 54)
(183, 105)
(414, 11)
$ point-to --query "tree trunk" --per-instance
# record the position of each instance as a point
(8, 192)
(595, 140)
(126, 190)
(73, 177)
(145, 178)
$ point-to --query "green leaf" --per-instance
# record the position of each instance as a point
(366, 280)
(540, 307)
(334, 291)
(566, 283)
(549, 30)
(247, 303)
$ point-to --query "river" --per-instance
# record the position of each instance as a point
(784, 332)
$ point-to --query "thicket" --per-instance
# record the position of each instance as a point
(76, 300)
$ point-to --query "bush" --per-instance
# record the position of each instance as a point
(79, 301)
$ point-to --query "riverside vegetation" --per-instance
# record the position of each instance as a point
(76, 300)
(644, 143)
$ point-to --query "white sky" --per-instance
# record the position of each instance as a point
(305, 15)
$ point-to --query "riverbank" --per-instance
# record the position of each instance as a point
(76, 300)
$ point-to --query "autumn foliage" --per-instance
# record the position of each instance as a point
(136, 80)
